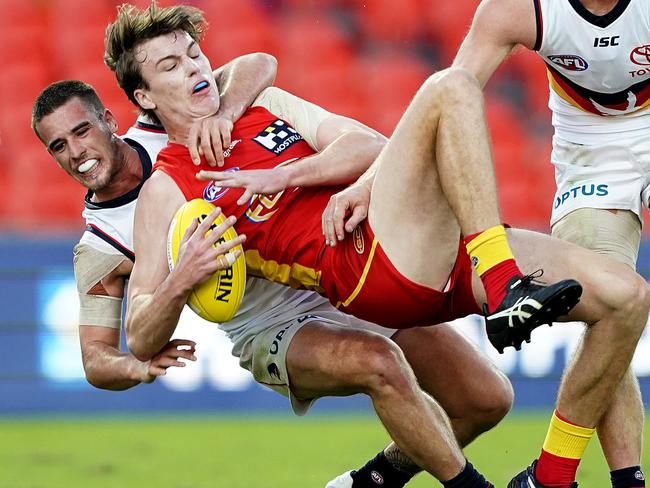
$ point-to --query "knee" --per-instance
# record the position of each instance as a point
(384, 368)
(451, 87)
(629, 301)
(493, 403)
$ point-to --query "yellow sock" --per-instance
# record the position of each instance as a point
(565, 439)
(488, 248)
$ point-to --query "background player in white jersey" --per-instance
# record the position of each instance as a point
(597, 54)
(113, 170)
(426, 147)
(265, 333)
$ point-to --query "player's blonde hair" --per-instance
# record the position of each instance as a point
(132, 27)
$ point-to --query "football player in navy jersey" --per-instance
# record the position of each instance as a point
(79, 133)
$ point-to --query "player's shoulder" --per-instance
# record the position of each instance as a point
(91, 264)
(509, 21)
(273, 96)
(84, 252)
(158, 187)
(506, 4)
(505, 11)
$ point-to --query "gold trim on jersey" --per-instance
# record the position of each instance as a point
(555, 86)
(294, 275)
(581, 98)
(362, 279)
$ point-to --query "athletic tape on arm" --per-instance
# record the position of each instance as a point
(90, 267)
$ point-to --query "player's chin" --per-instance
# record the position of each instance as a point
(97, 182)
(204, 104)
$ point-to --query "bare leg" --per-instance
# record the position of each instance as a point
(615, 306)
(466, 383)
(473, 392)
(465, 164)
(435, 171)
(616, 234)
(620, 430)
(324, 360)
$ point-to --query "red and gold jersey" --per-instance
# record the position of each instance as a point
(284, 239)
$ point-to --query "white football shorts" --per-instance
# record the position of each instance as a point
(265, 354)
(606, 176)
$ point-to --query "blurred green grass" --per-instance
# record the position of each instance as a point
(238, 452)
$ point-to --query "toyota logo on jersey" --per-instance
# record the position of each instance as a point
(641, 55)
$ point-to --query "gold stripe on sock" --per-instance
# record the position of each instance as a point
(488, 249)
(567, 440)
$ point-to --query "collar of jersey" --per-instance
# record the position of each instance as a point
(131, 195)
(600, 20)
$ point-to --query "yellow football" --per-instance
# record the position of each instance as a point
(219, 298)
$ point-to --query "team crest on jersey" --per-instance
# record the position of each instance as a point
(572, 62)
(277, 137)
(641, 55)
(359, 244)
(213, 192)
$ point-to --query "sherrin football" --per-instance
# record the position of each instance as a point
(219, 298)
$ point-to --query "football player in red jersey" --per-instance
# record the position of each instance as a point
(481, 395)
(420, 193)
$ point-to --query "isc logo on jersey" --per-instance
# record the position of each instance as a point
(277, 137)
(572, 62)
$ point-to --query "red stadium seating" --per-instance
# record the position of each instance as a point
(362, 59)
(236, 27)
(390, 80)
(531, 70)
(391, 21)
(447, 23)
(525, 178)
(85, 40)
(315, 5)
(316, 62)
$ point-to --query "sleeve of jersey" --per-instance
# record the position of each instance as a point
(90, 267)
(302, 115)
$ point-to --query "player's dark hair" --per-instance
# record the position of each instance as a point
(59, 93)
(132, 27)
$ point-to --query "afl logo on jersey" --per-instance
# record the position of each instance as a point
(213, 192)
(572, 62)
(641, 55)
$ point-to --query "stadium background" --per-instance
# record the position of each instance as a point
(361, 59)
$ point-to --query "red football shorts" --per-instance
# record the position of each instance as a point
(360, 280)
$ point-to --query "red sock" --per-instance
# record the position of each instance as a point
(563, 448)
(554, 471)
(495, 280)
(493, 261)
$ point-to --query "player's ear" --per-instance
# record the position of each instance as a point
(110, 120)
(143, 99)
